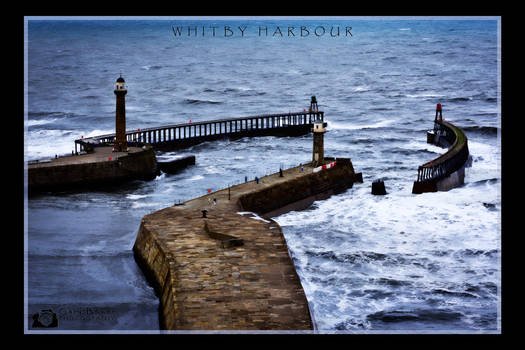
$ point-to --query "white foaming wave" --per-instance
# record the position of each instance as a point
(133, 108)
(212, 169)
(361, 88)
(399, 224)
(160, 177)
(196, 177)
(336, 304)
(47, 143)
(136, 196)
(168, 157)
(423, 95)
(296, 218)
(136, 205)
(32, 122)
(438, 220)
(488, 152)
(347, 126)
(253, 216)
(98, 132)
(419, 214)
(243, 88)
(486, 162)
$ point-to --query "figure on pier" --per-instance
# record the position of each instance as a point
(121, 143)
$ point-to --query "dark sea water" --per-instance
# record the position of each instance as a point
(400, 262)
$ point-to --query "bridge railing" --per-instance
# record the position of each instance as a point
(449, 162)
(203, 129)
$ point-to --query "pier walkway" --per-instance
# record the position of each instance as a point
(99, 167)
(179, 136)
(231, 270)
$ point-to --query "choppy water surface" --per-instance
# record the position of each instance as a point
(399, 262)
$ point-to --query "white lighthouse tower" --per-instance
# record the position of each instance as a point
(319, 129)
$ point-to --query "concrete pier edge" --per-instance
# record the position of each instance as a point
(100, 167)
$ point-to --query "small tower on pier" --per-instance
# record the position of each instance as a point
(319, 129)
(438, 113)
(434, 135)
(121, 143)
(313, 105)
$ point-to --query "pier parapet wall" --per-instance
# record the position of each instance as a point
(98, 168)
(303, 191)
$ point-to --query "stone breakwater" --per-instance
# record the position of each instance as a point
(448, 170)
(231, 270)
(101, 166)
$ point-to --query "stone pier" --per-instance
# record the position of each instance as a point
(229, 268)
(100, 166)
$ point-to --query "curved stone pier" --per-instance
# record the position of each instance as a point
(448, 170)
(231, 270)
